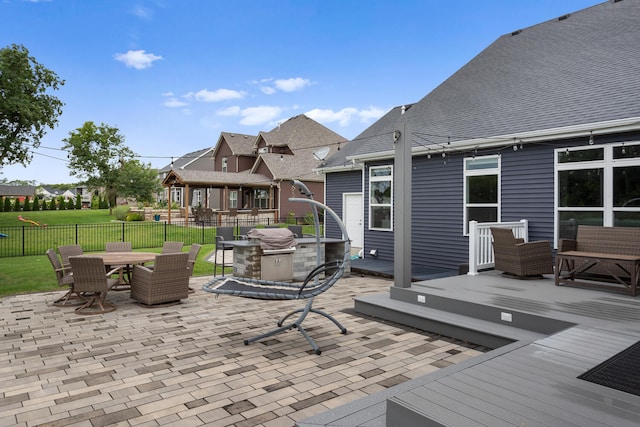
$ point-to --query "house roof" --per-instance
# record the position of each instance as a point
(303, 136)
(185, 160)
(239, 144)
(209, 178)
(581, 69)
(17, 190)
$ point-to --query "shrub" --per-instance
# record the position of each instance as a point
(36, 204)
(27, 205)
(52, 205)
(7, 205)
(17, 207)
(120, 212)
(134, 216)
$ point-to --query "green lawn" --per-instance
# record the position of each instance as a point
(25, 274)
(83, 216)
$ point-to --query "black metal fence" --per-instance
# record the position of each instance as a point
(33, 240)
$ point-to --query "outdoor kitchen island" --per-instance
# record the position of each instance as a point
(290, 264)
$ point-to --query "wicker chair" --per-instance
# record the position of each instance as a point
(193, 254)
(64, 280)
(172, 247)
(69, 251)
(167, 282)
(89, 276)
(122, 269)
(519, 259)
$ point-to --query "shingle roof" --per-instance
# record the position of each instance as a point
(185, 160)
(303, 136)
(17, 190)
(240, 144)
(582, 68)
(208, 178)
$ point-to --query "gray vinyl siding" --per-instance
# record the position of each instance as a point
(528, 187)
(336, 185)
(438, 240)
(437, 207)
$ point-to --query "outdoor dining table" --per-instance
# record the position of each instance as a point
(124, 258)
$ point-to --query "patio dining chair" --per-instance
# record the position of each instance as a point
(167, 283)
(71, 297)
(123, 270)
(89, 277)
(172, 247)
(67, 251)
(317, 281)
(193, 254)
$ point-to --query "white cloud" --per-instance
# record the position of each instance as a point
(371, 114)
(231, 111)
(346, 115)
(343, 117)
(137, 59)
(267, 90)
(205, 95)
(253, 116)
(141, 12)
(291, 85)
(174, 103)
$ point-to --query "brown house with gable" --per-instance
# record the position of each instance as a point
(245, 172)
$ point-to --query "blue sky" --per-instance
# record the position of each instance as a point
(173, 74)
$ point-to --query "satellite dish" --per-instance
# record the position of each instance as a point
(321, 153)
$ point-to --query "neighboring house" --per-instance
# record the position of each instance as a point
(48, 193)
(245, 172)
(542, 125)
(19, 192)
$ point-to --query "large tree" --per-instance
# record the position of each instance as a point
(98, 155)
(139, 181)
(26, 109)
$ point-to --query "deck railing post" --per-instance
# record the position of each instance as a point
(473, 248)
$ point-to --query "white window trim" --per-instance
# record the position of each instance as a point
(390, 204)
(480, 172)
(607, 165)
(233, 198)
(225, 164)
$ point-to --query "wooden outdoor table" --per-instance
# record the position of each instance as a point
(578, 263)
(124, 258)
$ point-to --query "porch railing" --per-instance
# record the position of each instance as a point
(480, 244)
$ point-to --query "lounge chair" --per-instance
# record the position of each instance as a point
(519, 259)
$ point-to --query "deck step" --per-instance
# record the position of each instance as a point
(471, 329)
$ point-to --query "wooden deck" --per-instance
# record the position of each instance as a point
(555, 334)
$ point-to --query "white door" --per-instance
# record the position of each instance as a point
(352, 217)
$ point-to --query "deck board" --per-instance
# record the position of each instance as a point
(533, 383)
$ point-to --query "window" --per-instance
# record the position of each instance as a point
(233, 198)
(224, 164)
(481, 190)
(597, 186)
(381, 198)
(261, 198)
(197, 198)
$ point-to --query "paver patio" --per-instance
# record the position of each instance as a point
(187, 364)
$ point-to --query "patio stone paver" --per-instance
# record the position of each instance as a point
(187, 364)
